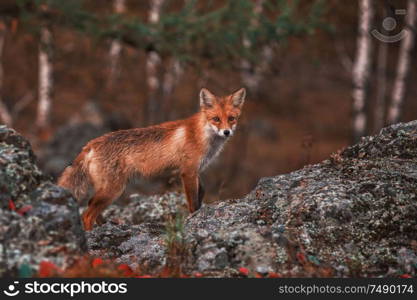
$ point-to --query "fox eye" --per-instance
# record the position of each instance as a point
(231, 119)
(216, 119)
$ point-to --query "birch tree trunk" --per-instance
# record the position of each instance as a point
(380, 101)
(361, 68)
(252, 74)
(45, 79)
(403, 65)
(5, 115)
(170, 81)
(119, 7)
(152, 66)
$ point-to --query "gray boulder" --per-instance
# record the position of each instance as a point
(39, 221)
(135, 234)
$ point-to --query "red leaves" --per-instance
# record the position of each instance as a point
(274, 275)
(47, 269)
(301, 257)
(127, 271)
(123, 269)
(21, 211)
(12, 206)
(244, 271)
(100, 267)
(96, 262)
(406, 276)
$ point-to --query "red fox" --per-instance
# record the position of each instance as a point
(100, 172)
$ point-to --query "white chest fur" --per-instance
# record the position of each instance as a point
(215, 146)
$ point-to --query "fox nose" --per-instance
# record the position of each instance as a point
(226, 132)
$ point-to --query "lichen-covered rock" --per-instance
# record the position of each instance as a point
(135, 233)
(155, 209)
(354, 214)
(18, 172)
(230, 234)
(39, 221)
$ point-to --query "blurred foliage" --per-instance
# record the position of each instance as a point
(210, 30)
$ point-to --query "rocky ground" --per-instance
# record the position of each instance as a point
(354, 214)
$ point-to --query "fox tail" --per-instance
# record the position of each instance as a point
(75, 178)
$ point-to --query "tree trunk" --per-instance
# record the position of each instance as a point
(403, 65)
(5, 115)
(380, 101)
(170, 81)
(252, 74)
(171, 78)
(152, 66)
(119, 7)
(361, 68)
(45, 80)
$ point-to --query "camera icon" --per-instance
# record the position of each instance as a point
(11, 289)
(389, 24)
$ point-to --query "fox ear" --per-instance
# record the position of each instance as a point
(238, 97)
(206, 98)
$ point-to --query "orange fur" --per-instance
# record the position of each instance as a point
(105, 163)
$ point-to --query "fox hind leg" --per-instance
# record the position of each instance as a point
(100, 201)
(96, 206)
(100, 220)
(201, 193)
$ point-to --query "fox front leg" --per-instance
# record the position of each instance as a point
(191, 184)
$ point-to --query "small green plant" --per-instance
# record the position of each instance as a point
(176, 252)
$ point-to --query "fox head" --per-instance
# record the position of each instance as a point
(222, 113)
